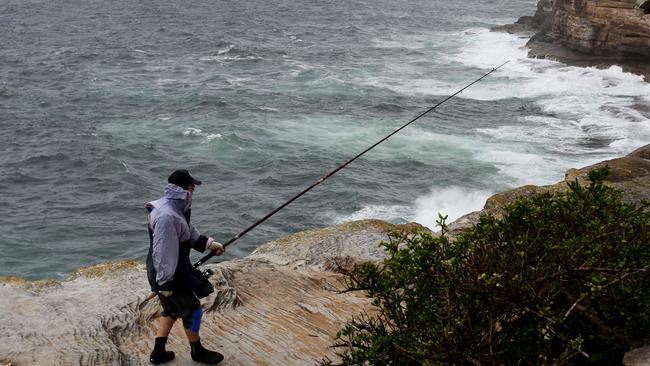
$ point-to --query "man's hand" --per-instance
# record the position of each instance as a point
(216, 247)
(166, 293)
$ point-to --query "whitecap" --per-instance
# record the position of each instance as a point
(226, 49)
(166, 81)
(206, 137)
(394, 213)
(453, 202)
(524, 77)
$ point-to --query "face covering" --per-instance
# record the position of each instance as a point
(188, 201)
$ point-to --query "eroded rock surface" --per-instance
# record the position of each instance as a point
(280, 306)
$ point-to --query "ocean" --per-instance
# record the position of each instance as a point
(101, 100)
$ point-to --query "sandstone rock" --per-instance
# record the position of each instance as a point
(638, 357)
(631, 174)
(593, 32)
(315, 247)
(280, 306)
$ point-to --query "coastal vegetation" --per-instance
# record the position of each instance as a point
(556, 279)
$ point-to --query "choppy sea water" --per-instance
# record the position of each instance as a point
(100, 101)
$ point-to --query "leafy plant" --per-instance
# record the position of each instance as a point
(558, 280)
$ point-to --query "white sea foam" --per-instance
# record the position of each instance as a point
(520, 167)
(587, 110)
(206, 137)
(223, 55)
(588, 115)
(387, 213)
(453, 202)
(126, 166)
(536, 78)
(226, 49)
(166, 81)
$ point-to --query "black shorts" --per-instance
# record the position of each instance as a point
(179, 305)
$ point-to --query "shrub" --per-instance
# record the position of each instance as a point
(558, 280)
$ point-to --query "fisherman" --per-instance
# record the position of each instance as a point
(170, 272)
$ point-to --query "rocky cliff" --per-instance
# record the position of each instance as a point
(591, 32)
(279, 306)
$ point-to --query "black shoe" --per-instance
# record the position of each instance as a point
(207, 356)
(157, 358)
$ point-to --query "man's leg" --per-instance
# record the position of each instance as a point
(192, 336)
(165, 324)
(159, 353)
(192, 323)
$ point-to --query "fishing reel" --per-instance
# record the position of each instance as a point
(207, 273)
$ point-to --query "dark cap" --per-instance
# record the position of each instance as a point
(183, 179)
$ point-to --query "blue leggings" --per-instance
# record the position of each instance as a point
(193, 321)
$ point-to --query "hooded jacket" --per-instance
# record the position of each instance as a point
(171, 238)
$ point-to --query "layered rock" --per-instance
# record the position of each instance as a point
(591, 32)
(279, 306)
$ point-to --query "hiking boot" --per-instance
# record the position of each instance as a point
(161, 357)
(200, 354)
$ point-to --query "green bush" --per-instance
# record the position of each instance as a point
(558, 280)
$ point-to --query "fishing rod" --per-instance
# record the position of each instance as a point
(207, 273)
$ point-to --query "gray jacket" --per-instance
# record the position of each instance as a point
(171, 237)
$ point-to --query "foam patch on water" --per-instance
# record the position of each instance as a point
(518, 168)
(206, 137)
(387, 213)
(226, 49)
(453, 202)
(586, 110)
(535, 78)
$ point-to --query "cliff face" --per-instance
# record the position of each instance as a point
(591, 32)
(616, 28)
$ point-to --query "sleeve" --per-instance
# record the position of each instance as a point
(199, 242)
(165, 252)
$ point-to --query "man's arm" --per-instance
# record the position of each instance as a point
(198, 241)
(165, 252)
(202, 242)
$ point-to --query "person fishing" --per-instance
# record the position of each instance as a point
(171, 275)
(174, 279)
